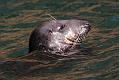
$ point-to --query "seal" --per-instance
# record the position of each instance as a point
(59, 37)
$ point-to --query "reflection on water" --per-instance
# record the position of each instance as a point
(19, 18)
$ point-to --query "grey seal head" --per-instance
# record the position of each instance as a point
(59, 37)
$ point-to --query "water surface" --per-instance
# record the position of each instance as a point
(19, 17)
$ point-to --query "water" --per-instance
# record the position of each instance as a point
(19, 18)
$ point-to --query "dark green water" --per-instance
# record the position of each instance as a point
(19, 17)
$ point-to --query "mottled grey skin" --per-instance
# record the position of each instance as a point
(59, 37)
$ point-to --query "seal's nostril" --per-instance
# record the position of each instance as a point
(87, 25)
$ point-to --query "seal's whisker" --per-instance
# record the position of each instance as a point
(79, 40)
(83, 37)
(52, 18)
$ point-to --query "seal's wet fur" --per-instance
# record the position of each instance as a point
(60, 37)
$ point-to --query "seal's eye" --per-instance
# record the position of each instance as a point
(61, 27)
(50, 31)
